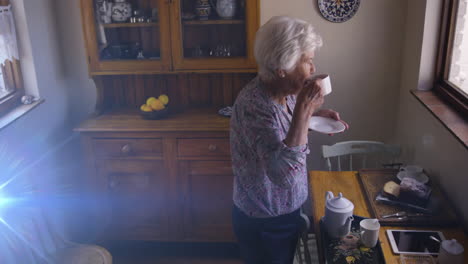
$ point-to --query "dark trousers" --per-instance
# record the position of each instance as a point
(267, 240)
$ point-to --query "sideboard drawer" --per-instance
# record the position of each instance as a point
(203, 147)
(127, 147)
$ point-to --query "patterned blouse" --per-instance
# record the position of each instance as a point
(270, 178)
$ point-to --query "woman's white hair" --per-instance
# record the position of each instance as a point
(280, 44)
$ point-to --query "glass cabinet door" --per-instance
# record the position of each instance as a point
(214, 34)
(127, 35)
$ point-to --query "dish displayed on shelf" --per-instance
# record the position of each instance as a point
(338, 10)
(326, 125)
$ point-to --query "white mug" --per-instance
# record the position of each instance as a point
(325, 83)
(369, 232)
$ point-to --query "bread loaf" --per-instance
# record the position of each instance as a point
(392, 189)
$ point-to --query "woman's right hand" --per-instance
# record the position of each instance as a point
(310, 98)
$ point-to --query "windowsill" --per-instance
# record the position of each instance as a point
(451, 119)
(18, 112)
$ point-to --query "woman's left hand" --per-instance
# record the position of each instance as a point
(331, 114)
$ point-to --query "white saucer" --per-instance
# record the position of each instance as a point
(326, 125)
(422, 178)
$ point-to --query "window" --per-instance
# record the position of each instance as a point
(11, 87)
(3, 90)
(452, 70)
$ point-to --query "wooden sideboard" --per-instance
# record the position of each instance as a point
(162, 180)
(171, 179)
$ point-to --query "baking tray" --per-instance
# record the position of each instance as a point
(373, 180)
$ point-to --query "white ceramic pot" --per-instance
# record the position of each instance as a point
(226, 9)
(338, 215)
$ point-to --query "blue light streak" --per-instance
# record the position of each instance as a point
(18, 198)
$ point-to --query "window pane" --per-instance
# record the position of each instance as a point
(3, 90)
(6, 74)
(458, 73)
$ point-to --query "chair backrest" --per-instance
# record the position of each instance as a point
(363, 150)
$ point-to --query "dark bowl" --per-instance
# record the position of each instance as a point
(154, 115)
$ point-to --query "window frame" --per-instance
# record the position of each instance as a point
(442, 87)
(13, 78)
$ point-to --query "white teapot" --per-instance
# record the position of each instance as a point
(338, 215)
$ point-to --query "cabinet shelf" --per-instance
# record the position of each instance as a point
(214, 22)
(130, 25)
(130, 120)
(171, 37)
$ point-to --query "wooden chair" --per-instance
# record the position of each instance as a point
(38, 241)
(302, 255)
(74, 253)
(377, 152)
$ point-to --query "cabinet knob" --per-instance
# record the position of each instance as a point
(126, 149)
(212, 147)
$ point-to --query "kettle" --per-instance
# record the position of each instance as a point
(338, 215)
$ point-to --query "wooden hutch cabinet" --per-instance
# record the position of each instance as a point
(169, 38)
(168, 179)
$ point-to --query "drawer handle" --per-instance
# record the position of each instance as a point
(212, 147)
(126, 149)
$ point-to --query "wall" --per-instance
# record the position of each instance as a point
(41, 141)
(363, 58)
(81, 88)
(425, 141)
(36, 134)
(40, 65)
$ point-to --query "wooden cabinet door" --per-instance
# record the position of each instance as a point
(207, 205)
(127, 48)
(214, 43)
(134, 199)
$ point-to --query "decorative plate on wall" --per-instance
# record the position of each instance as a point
(338, 10)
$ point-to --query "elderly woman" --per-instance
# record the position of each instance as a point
(269, 128)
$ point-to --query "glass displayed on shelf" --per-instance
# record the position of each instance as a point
(221, 51)
(127, 30)
(213, 28)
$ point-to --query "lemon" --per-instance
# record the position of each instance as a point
(156, 104)
(149, 100)
(164, 99)
(146, 108)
